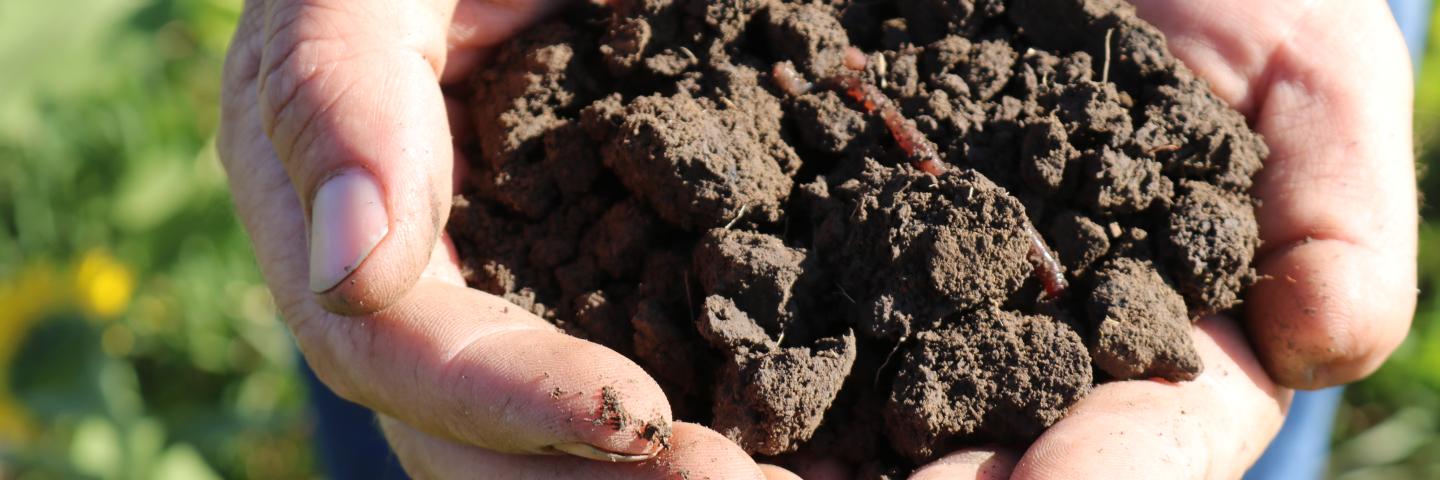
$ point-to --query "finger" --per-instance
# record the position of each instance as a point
(469, 366)
(350, 99)
(452, 361)
(978, 464)
(480, 25)
(1329, 85)
(809, 467)
(773, 472)
(462, 64)
(1212, 427)
(695, 452)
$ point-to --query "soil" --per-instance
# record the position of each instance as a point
(778, 265)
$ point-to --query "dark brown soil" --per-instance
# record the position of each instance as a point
(778, 265)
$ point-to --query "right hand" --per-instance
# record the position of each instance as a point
(334, 129)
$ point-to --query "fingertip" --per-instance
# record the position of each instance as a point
(1328, 312)
(699, 452)
(976, 463)
(607, 400)
(773, 472)
(1115, 443)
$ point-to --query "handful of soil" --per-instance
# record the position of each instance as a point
(733, 194)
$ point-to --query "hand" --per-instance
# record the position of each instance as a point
(1328, 84)
(334, 130)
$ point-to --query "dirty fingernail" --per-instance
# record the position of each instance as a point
(585, 450)
(347, 220)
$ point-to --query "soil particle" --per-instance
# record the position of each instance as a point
(1117, 183)
(1079, 240)
(1141, 328)
(941, 244)
(1046, 157)
(809, 35)
(1212, 237)
(826, 123)
(977, 379)
(772, 402)
(679, 155)
(729, 329)
(612, 412)
(755, 271)
(774, 259)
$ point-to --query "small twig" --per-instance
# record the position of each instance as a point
(845, 293)
(1105, 74)
(888, 356)
(738, 216)
(1163, 149)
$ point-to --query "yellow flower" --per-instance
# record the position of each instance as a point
(103, 285)
(26, 298)
(100, 284)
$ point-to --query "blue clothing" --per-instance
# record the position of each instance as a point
(347, 439)
(1414, 19)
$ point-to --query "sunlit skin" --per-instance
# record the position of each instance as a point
(461, 381)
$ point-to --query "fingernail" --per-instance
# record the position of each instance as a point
(585, 450)
(347, 220)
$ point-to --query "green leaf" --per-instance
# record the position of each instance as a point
(183, 462)
(95, 448)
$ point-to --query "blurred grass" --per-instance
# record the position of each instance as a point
(1389, 424)
(136, 337)
(137, 340)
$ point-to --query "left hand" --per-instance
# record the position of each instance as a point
(1329, 86)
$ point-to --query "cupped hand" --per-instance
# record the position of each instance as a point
(337, 144)
(336, 141)
(1328, 84)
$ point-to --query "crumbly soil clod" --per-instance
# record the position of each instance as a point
(665, 182)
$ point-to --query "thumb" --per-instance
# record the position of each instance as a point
(349, 96)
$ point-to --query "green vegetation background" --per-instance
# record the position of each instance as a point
(137, 340)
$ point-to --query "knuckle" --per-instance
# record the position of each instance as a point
(327, 342)
(292, 85)
(303, 46)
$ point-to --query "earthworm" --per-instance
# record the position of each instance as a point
(923, 153)
(1047, 267)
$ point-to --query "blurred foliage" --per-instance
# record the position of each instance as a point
(1389, 425)
(136, 337)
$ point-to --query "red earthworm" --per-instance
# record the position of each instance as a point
(923, 154)
(1047, 267)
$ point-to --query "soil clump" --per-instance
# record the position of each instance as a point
(776, 262)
